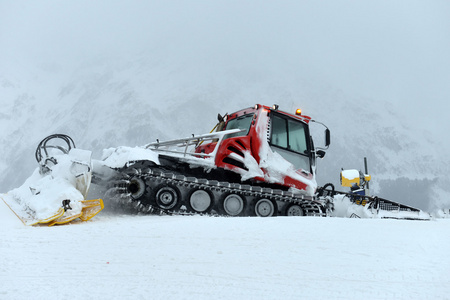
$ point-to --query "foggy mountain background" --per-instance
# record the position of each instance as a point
(128, 72)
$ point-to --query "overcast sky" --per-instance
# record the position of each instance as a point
(392, 50)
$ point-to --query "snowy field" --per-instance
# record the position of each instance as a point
(118, 256)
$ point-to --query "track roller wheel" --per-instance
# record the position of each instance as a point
(265, 208)
(294, 210)
(200, 201)
(233, 204)
(137, 187)
(167, 197)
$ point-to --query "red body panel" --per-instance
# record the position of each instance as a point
(232, 151)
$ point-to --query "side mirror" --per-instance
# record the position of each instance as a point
(327, 137)
(320, 153)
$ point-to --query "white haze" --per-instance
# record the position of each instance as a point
(115, 72)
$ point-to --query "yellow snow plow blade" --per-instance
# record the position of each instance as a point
(25, 217)
(89, 209)
(64, 219)
(59, 214)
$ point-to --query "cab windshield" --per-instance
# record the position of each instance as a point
(242, 122)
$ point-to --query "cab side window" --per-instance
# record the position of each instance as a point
(289, 134)
(297, 137)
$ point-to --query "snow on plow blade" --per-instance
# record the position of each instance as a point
(55, 193)
(89, 209)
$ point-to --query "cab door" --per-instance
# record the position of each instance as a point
(290, 139)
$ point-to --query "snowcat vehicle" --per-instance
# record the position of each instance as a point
(259, 161)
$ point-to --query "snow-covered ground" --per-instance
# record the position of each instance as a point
(118, 256)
